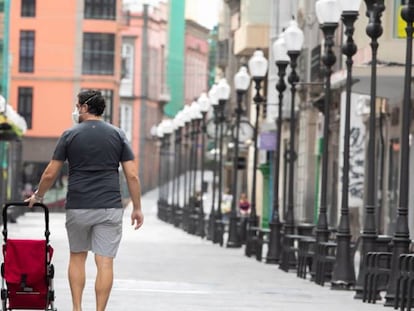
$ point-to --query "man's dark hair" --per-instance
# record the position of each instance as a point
(94, 100)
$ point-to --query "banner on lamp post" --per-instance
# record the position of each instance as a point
(267, 141)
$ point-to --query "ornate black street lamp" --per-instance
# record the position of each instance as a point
(369, 231)
(172, 210)
(190, 188)
(186, 142)
(179, 125)
(258, 65)
(343, 275)
(160, 203)
(212, 94)
(328, 13)
(223, 95)
(167, 130)
(241, 83)
(196, 119)
(204, 104)
(282, 61)
(294, 41)
(401, 239)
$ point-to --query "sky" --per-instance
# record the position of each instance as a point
(206, 11)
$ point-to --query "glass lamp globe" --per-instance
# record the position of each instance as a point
(204, 102)
(258, 64)
(153, 131)
(160, 130)
(195, 111)
(168, 126)
(223, 90)
(180, 119)
(280, 50)
(242, 79)
(350, 5)
(212, 94)
(186, 114)
(328, 11)
(177, 122)
(294, 37)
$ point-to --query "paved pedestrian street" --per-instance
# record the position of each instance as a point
(160, 267)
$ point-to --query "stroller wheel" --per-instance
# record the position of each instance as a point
(4, 299)
(51, 295)
(51, 271)
(3, 294)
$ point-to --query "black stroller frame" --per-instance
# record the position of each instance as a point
(26, 293)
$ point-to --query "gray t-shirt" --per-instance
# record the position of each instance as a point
(93, 150)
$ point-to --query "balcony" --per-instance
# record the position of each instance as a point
(253, 30)
(249, 37)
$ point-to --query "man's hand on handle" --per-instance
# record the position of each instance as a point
(35, 198)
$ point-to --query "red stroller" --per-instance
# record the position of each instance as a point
(27, 272)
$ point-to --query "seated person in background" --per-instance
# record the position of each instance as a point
(244, 205)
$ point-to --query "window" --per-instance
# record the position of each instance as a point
(25, 104)
(100, 9)
(28, 8)
(109, 98)
(127, 61)
(26, 55)
(125, 120)
(98, 53)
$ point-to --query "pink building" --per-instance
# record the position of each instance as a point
(142, 88)
(196, 60)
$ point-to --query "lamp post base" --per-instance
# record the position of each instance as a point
(234, 237)
(210, 227)
(201, 225)
(218, 230)
(218, 233)
(251, 238)
(343, 275)
(275, 245)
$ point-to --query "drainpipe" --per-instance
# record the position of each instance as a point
(317, 179)
(144, 93)
(5, 60)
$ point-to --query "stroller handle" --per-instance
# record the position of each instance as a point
(43, 206)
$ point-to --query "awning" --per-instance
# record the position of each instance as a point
(390, 80)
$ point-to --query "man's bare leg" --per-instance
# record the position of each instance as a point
(76, 274)
(104, 279)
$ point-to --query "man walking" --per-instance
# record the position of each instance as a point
(93, 149)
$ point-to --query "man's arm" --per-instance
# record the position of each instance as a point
(49, 176)
(134, 188)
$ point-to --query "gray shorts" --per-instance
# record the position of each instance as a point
(98, 230)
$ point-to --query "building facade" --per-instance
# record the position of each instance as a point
(57, 49)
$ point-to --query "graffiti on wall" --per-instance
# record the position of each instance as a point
(356, 163)
(359, 109)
